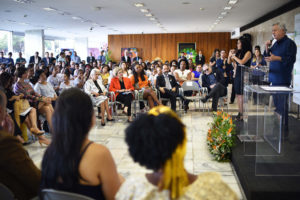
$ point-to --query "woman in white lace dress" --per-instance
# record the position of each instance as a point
(161, 147)
(98, 94)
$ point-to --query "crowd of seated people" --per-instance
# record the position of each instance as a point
(51, 81)
(44, 79)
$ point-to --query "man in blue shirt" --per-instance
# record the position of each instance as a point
(76, 58)
(21, 60)
(282, 56)
(102, 58)
(9, 60)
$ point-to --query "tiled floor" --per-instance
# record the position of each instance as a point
(197, 160)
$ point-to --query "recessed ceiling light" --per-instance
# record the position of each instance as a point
(148, 15)
(232, 2)
(186, 3)
(201, 9)
(152, 18)
(223, 13)
(227, 8)
(144, 10)
(24, 1)
(220, 17)
(23, 23)
(139, 5)
(50, 9)
(76, 18)
(215, 23)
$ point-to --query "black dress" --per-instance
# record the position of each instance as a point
(239, 80)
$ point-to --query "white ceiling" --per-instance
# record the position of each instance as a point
(122, 17)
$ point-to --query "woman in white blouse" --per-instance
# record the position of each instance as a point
(97, 92)
(67, 83)
(43, 87)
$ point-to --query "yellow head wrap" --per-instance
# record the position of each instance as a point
(174, 177)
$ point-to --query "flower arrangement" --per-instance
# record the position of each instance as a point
(221, 136)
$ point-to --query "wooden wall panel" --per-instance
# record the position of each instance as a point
(164, 46)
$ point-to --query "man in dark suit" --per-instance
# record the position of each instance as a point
(200, 59)
(35, 59)
(137, 58)
(167, 86)
(46, 59)
(52, 58)
(216, 85)
(126, 58)
(90, 59)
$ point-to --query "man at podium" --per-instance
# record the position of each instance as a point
(282, 55)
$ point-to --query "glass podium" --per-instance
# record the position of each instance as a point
(269, 132)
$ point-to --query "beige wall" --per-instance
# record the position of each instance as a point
(262, 32)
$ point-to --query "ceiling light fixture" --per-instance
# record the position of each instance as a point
(223, 13)
(144, 10)
(218, 20)
(152, 18)
(227, 8)
(215, 23)
(23, 23)
(220, 17)
(201, 9)
(77, 18)
(148, 15)
(139, 5)
(50, 9)
(24, 1)
(232, 2)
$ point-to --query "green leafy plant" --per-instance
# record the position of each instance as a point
(221, 136)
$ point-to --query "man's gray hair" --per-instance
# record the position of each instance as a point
(281, 26)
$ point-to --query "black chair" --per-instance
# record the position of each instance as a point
(50, 194)
(6, 193)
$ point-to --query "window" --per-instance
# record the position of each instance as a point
(4, 41)
(18, 44)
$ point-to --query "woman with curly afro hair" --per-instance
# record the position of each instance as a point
(157, 140)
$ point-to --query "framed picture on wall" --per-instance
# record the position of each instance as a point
(132, 52)
(189, 50)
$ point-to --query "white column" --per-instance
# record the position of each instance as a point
(81, 47)
(34, 42)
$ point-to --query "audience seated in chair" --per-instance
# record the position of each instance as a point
(98, 94)
(18, 172)
(140, 82)
(29, 117)
(72, 162)
(42, 104)
(167, 86)
(215, 84)
(123, 89)
(162, 148)
(182, 75)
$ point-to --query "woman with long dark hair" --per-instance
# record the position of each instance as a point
(140, 82)
(72, 162)
(242, 57)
